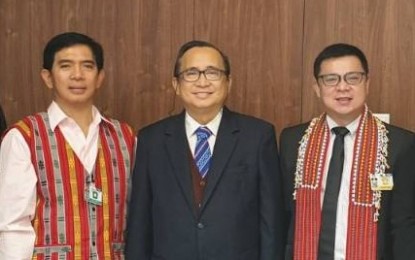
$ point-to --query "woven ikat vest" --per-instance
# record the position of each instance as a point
(66, 226)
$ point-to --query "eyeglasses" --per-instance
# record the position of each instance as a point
(192, 75)
(351, 78)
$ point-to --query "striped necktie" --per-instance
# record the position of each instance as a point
(202, 154)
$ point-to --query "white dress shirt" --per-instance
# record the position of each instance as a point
(192, 125)
(343, 202)
(18, 180)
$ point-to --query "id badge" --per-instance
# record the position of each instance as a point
(93, 195)
(379, 182)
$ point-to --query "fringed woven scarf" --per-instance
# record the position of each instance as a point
(369, 157)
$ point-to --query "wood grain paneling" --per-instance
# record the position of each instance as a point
(263, 40)
(25, 28)
(138, 39)
(271, 44)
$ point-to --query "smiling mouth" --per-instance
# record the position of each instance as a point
(77, 89)
(343, 99)
(202, 94)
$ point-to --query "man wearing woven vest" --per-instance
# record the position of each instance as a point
(64, 172)
(207, 183)
(338, 168)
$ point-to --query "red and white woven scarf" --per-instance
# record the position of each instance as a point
(369, 157)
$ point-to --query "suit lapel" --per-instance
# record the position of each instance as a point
(225, 144)
(177, 148)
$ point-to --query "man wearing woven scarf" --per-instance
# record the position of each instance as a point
(358, 226)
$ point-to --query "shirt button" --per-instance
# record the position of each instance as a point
(200, 226)
(202, 183)
(93, 243)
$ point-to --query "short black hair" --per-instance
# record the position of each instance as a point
(69, 39)
(193, 44)
(336, 51)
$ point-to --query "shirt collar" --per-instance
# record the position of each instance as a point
(192, 124)
(57, 116)
(352, 126)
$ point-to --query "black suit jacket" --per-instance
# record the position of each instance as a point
(403, 207)
(399, 141)
(241, 217)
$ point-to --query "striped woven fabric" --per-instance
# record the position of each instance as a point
(66, 226)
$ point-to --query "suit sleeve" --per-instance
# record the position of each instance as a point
(289, 143)
(139, 226)
(288, 180)
(272, 224)
(403, 206)
(288, 155)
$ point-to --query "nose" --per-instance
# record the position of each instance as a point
(343, 86)
(202, 81)
(77, 73)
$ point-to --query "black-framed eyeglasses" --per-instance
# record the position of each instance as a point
(192, 75)
(351, 78)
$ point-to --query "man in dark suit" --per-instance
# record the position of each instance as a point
(337, 169)
(214, 199)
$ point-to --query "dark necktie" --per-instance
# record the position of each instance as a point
(331, 195)
(202, 151)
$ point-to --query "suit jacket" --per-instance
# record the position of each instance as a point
(241, 216)
(399, 141)
(403, 207)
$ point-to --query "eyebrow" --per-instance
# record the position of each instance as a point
(330, 74)
(208, 67)
(72, 61)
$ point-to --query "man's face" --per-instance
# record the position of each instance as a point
(202, 96)
(74, 76)
(343, 102)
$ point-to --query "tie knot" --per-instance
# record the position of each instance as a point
(203, 133)
(340, 131)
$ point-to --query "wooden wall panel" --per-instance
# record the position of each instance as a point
(16, 58)
(263, 40)
(26, 27)
(140, 39)
(271, 43)
(385, 31)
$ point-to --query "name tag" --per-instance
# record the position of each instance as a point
(93, 195)
(380, 182)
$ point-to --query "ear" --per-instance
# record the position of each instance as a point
(317, 89)
(229, 83)
(46, 76)
(367, 85)
(175, 83)
(101, 76)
